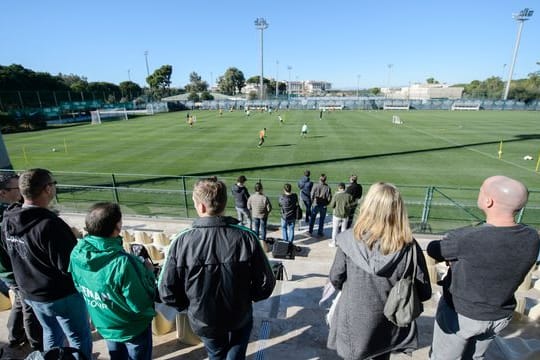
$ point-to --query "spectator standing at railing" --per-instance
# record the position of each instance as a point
(305, 185)
(260, 207)
(288, 202)
(341, 203)
(355, 189)
(487, 263)
(241, 195)
(321, 194)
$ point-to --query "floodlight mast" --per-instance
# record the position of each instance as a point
(289, 67)
(146, 59)
(261, 24)
(520, 17)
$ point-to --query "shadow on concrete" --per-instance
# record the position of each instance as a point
(167, 350)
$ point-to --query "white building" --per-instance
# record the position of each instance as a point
(424, 92)
(299, 88)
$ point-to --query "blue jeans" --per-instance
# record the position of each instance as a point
(321, 210)
(244, 213)
(137, 348)
(229, 346)
(260, 227)
(287, 230)
(307, 204)
(64, 318)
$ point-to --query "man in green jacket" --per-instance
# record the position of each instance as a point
(118, 288)
(341, 203)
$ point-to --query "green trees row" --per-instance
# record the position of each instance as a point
(525, 90)
(17, 78)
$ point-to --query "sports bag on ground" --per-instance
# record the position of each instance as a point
(283, 250)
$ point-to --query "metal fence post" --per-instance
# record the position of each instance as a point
(115, 190)
(426, 209)
(520, 215)
(185, 196)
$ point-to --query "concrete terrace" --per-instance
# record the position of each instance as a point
(291, 324)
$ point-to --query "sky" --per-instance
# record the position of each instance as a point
(350, 43)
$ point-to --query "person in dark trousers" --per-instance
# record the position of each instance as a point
(241, 195)
(487, 263)
(355, 189)
(321, 194)
(216, 270)
(305, 185)
(288, 202)
(260, 207)
(23, 326)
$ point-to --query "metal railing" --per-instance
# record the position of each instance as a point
(432, 209)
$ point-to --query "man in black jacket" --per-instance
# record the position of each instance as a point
(241, 196)
(216, 270)
(39, 244)
(305, 185)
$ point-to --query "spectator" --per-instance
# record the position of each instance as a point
(342, 203)
(22, 322)
(260, 208)
(39, 244)
(487, 264)
(241, 196)
(288, 202)
(216, 270)
(355, 190)
(118, 288)
(305, 185)
(371, 257)
(320, 196)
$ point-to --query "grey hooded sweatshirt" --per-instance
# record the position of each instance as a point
(359, 328)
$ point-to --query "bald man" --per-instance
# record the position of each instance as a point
(487, 263)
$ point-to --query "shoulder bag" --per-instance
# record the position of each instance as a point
(403, 304)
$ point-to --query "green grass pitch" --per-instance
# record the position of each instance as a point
(450, 150)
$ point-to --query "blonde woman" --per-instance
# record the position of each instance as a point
(369, 260)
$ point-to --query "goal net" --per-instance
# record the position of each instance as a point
(109, 114)
(397, 105)
(461, 105)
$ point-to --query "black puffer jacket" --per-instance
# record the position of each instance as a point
(241, 196)
(288, 204)
(215, 270)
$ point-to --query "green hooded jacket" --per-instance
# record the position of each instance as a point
(118, 289)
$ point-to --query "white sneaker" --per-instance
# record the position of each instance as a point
(332, 244)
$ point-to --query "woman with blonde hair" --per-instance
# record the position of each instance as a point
(371, 257)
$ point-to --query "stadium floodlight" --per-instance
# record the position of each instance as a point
(389, 74)
(277, 82)
(146, 59)
(520, 17)
(289, 67)
(261, 24)
(357, 86)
